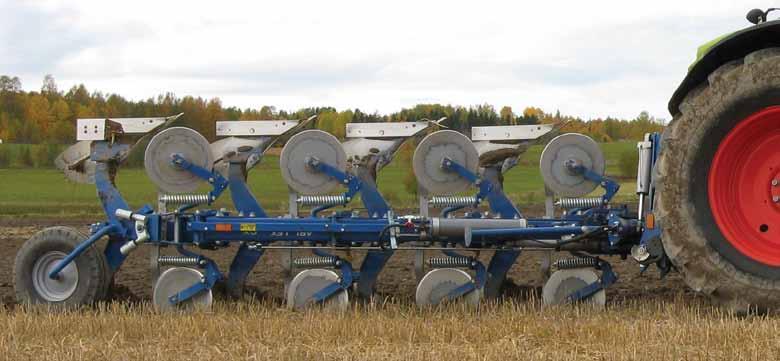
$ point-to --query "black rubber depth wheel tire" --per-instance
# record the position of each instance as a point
(92, 270)
(708, 262)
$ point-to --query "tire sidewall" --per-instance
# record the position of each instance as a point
(60, 240)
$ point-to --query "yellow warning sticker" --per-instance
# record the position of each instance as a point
(248, 227)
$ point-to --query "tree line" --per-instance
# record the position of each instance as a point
(49, 116)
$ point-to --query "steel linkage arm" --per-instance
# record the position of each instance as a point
(497, 200)
(371, 197)
(217, 181)
(610, 186)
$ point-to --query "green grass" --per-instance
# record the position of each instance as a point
(45, 192)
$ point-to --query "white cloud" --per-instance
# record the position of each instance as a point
(608, 58)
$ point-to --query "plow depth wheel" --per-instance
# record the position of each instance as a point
(306, 284)
(437, 284)
(719, 196)
(175, 280)
(84, 281)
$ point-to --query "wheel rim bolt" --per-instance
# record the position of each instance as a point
(775, 182)
(776, 199)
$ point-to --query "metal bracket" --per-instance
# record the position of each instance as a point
(480, 279)
(372, 200)
(217, 181)
(347, 277)
(497, 199)
(210, 278)
(608, 277)
(610, 186)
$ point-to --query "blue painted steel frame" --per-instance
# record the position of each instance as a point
(210, 278)
(370, 196)
(502, 260)
(106, 155)
(246, 258)
(480, 279)
(608, 277)
(347, 277)
(217, 181)
(377, 207)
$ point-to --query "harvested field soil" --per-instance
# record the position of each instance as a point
(676, 329)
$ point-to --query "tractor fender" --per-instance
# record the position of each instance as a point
(732, 47)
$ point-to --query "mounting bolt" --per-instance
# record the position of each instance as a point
(775, 182)
(776, 199)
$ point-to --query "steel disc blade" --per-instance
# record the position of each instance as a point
(311, 143)
(438, 283)
(175, 280)
(563, 283)
(307, 283)
(576, 147)
(178, 140)
(428, 156)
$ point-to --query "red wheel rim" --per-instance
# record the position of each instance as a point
(744, 186)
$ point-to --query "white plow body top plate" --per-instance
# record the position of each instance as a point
(385, 129)
(249, 128)
(95, 128)
(510, 132)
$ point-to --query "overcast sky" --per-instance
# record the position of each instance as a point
(585, 58)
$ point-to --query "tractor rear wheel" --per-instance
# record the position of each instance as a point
(719, 175)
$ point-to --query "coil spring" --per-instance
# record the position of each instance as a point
(571, 203)
(316, 261)
(577, 262)
(182, 199)
(322, 200)
(178, 261)
(450, 262)
(452, 201)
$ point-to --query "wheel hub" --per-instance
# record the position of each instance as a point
(54, 289)
(744, 187)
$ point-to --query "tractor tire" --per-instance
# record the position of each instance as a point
(716, 171)
(84, 282)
